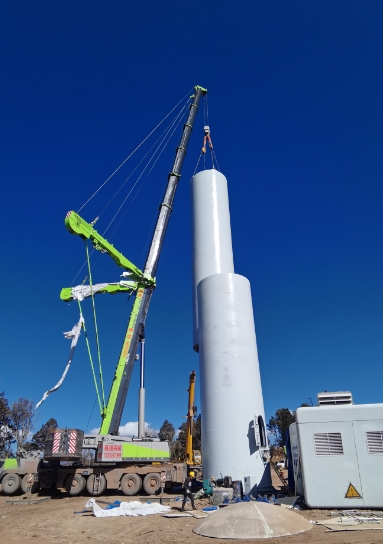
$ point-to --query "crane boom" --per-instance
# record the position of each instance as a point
(111, 417)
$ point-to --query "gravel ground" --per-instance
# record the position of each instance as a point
(55, 521)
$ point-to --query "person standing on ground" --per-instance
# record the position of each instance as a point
(187, 491)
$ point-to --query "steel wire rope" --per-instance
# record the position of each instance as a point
(140, 187)
(160, 153)
(114, 351)
(132, 153)
(95, 324)
(156, 212)
(196, 166)
(213, 155)
(139, 177)
(144, 157)
(91, 360)
(151, 228)
(166, 131)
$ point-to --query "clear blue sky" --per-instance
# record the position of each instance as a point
(295, 105)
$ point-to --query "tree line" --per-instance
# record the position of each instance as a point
(16, 425)
(177, 444)
(17, 422)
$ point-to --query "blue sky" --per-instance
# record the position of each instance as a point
(295, 109)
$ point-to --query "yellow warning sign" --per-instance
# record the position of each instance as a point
(352, 493)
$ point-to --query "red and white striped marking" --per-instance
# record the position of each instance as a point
(56, 443)
(72, 442)
(68, 214)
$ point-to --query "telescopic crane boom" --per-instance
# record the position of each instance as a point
(112, 415)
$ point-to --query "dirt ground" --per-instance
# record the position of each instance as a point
(55, 521)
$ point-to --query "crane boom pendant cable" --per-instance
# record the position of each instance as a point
(132, 153)
(95, 326)
(90, 359)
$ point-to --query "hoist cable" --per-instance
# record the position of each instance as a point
(139, 177)
(213, 155)
(91, 360)
(95, 324)
(132, 153)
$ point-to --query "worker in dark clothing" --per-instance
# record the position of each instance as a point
(187, 491)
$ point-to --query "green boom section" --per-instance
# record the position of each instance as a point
(66, 293)
(153, 451)
(108, 413)
(77, 225)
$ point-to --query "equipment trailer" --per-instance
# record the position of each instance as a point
(120, 462)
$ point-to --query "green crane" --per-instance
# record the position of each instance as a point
(142, 283)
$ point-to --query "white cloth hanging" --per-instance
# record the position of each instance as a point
(74, 335)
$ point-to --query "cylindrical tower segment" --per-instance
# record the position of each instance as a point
(233, 420)
(212, 247)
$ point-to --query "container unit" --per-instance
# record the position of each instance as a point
(233, 420)
(337, 455)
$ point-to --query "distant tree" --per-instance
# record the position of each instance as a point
(179, 447)
(167, 432)
(38, 439)
(150, 433)
(22, 416)
(181, 438)
(197, 434)
(6, 435)
(279, 424)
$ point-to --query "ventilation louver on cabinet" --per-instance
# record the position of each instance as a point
(328, 444)
(374, 442)
(336, 398)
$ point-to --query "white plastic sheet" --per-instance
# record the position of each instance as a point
(132, 508)
(83, 291)
(74, 335)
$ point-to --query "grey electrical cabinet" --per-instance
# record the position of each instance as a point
(337, 453)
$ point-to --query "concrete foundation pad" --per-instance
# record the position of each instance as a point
(252, 520)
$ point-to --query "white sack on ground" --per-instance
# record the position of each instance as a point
(74, 335)
(133, 508)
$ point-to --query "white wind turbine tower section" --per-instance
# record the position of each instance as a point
(233, 429)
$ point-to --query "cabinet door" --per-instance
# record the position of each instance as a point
(369, 446)
(329, 464)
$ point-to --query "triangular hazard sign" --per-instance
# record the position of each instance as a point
(352, 493)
